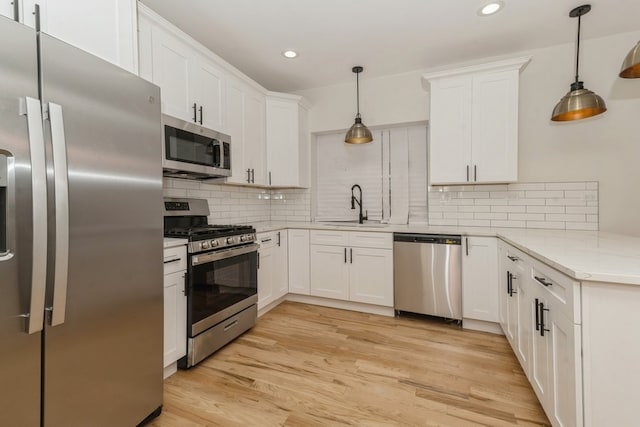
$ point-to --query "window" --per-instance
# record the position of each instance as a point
(392, 171)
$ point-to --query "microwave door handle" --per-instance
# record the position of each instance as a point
(200, 114)
(35, 317)
(60, 279)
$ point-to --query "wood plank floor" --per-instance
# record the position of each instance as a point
(304, 365)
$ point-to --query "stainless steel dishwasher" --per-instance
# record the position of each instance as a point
(427, 274)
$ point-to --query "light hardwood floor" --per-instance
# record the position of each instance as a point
(304, 365)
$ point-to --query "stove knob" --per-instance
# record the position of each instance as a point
(205, 245)
(243, 238)
(229, 240)
(214, 243)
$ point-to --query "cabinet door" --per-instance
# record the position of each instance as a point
(281, 265)
(480, 279)
(329, 272)
(371, 276)
(503, 287)
(171, 73)
(282, 142)
(235, 127)
(175, 317)
(494, 149)
(540, 369)
(265, 276)
(206, 91)
(255, 155)
(107, 29)
(450, 131)
(565, 369)
(6, 8)
(299, 261)
(524, 327)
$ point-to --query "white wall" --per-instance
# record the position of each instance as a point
(604, 148)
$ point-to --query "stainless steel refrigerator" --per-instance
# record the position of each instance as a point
(80, 237)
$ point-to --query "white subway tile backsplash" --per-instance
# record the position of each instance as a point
(566, 202)
(474, 222)
(244, 205)
(509, 209)
(491, 202)
(527, 202)
(508, 224)
(566, 217)
(546, 209)
(581, 210)
(546, 194)
(474, 208)
(489, 215)
(526, 217)
(527, 186)
(591, 226)
(553, 205)
(566, 185)
(585, 195)
(559, 225)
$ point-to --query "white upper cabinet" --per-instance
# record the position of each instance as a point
(104, 28)
(170, 71)
(474, 123)
(192, 87)
(207, 85)
(287, 141)
(6, 8)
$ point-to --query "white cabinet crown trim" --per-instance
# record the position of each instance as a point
(199, 47)
(518, 63)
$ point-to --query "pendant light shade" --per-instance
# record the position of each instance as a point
(358, 133)
(579, 103)
(631, 65)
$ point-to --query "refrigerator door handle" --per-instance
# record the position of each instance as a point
(35, 318)
(60, 169)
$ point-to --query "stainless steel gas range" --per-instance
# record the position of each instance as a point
(222, 282)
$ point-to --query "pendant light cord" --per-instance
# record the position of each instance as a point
(358, 94)
(578, 50)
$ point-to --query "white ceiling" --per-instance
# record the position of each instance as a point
(385, 36)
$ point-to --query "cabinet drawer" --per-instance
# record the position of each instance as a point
(329, 237)
(371, 240)
(564, 291)
(175, 259)
(269, 239)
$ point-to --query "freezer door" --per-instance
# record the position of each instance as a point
(19, 351)
(103, 342)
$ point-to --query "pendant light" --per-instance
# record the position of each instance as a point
(631, 65)
(579, 103)
(359, 133)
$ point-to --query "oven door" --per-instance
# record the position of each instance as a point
(221, 283)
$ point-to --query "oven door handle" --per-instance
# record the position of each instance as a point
(224, 254)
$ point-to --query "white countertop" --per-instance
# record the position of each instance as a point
(583, 255)
(170, 242)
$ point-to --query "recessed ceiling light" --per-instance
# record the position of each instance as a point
(290, 54)
(490, 8)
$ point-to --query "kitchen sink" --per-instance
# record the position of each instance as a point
(354, 223)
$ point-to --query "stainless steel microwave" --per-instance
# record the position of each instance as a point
(194, 152)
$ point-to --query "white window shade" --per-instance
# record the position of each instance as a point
(339, 167)
(392, 171)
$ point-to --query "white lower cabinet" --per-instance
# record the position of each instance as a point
(273, 274)
(175, 306)
(299, 273)
(541, 319)
(347, 270)
(480, 279)
(329, 272)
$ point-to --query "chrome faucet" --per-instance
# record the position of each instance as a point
(354, 200)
